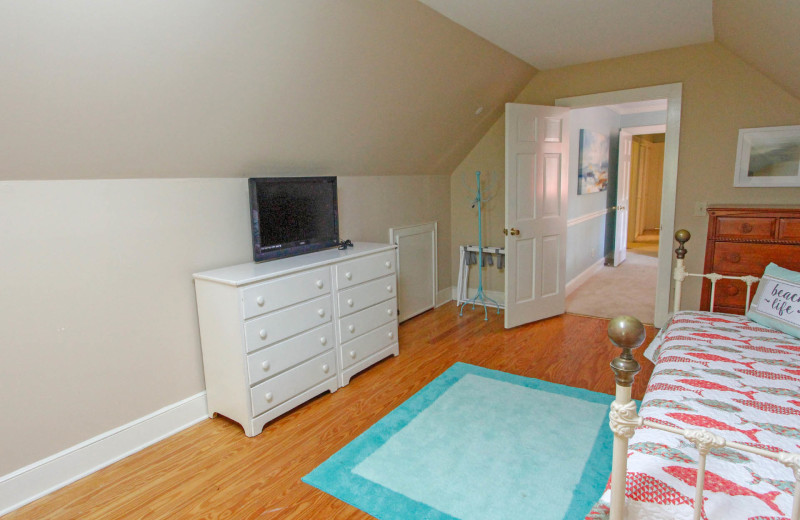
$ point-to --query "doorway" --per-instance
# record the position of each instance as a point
(672, 93)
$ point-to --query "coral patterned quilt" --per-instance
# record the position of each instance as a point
(737, 379)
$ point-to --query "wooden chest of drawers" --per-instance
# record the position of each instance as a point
(278, 333)
(742, 240)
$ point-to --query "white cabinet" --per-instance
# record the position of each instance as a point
(278, 333)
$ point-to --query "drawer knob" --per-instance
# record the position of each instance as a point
(389, 288)
(265, 365)
(734, 258)
(390, 334)
(348, 275)
(260, 300)
(321, 312)
(323, 340)
(262, 333)
(268, 397)
(746, 227)
(350, 302)
(388, 264)
(352, 354)
(320, 284)
(351, 328)
(732, 290)
(326, 368)
(389, 311)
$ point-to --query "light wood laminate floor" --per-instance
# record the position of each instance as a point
(213, 471)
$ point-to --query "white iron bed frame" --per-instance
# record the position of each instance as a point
(628, 333)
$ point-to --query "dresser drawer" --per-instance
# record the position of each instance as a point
(283, 387)
(746, 227)
(277, 326)
(359, 323)
(789, 229)
(741, 259)
(364, 269)
(367, 294)
(364, 346)
(731, 294)
(288, 290)
(286, 354)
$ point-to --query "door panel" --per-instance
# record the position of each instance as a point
(623, 197)
(536, 201)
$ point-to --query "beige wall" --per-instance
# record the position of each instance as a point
(148, 107)
(488, 157)
(99, 324)
(721, 94)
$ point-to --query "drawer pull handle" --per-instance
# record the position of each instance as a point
(323, 340)
(388, 264)
(326, 368)
(268, 397)
(390, 334)
(321, 312)
(265, 365)
(348, 275)
(260, 300)
(747, 227)
(350, 302)
(389, 311)
(320, 284)
(389, 288)
(351, 328)
(352, 354)
(262, 333)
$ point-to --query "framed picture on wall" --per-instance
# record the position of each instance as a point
(592, 162)
(768, 157)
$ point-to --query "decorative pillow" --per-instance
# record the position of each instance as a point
(777, 300)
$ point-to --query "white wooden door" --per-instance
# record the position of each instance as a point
(416, 268)
(623, 197)
(537, 152)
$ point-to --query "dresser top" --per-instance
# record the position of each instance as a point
(251, 272)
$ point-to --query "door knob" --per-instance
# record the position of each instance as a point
(512, 231)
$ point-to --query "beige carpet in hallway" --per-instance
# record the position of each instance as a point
(628, 289)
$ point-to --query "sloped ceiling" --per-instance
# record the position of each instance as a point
(555, 33)
(203, 88)
(765, 34)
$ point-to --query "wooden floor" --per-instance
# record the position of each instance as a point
(212, 470)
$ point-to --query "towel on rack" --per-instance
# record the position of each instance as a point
(501, 260)
(487, 258)
(470, 257)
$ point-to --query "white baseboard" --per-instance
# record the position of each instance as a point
(444, 295)
(584, 276)
(47, 475)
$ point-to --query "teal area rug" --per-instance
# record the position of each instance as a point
(478, 444)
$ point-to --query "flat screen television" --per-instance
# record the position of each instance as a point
(292, 215)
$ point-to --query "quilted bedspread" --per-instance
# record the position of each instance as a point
(737, 379)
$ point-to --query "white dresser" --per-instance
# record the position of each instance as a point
(278, 333)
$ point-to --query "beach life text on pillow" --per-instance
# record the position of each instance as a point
(777, 301)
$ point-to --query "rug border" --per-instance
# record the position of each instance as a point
(334, 476)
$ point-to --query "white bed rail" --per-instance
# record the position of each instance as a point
(680, 274)
(628, 333)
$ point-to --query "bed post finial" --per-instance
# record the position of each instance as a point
(679, 274)
(627, 333)
(682, 236)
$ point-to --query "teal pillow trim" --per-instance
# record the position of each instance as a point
(777, 301)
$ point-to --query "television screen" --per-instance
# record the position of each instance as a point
(293, 215)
